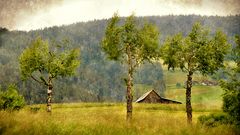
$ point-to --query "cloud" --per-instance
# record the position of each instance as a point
(189, 2)
(35, 14)
(11, 11)
(226, 6)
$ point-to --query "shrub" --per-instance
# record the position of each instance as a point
(10, 99)
(215, 119)
(178, 85)
(34, 109)
(231, 104)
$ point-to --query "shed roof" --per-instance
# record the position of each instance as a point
(145, 95)
(162, 99)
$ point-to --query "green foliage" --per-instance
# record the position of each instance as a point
(10, 99)
(38, 58)
(34, 58)
(170, 51)
(231, 97)
(197, 51)
(178, 85)
(215, 119)
(110, 43)
(236, 50)
(130, 40)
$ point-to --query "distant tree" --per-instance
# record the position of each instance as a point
(197, 52)
(231, 85)
(2, 31)
(151, 74)
(43, 65)
(10, 99)
(130, 44)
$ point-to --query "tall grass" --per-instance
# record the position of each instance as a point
(106, 119)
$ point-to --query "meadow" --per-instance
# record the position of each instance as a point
(107, 119)
(110, 118)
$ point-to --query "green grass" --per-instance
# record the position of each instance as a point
(200, 94)
(107, 119)
(178, 76)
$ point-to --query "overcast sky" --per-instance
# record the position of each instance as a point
(36, 14)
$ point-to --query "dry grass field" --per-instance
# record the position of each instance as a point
(107, 119)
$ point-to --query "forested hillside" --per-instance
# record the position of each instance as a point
(97, 78)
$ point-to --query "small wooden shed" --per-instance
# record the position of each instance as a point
(152, 97)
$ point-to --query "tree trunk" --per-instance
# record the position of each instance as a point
(49, 93)
(129, 97)
(188, 97)
(129, 86)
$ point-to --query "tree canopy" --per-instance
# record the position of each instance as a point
(142, 42)
(39, 58)
(196, 52)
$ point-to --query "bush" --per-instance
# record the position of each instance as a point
(178, 85)
(10, 99)
(34, 109)
(215, 119)
(231, 105)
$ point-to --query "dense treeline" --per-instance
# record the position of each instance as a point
(97, 78)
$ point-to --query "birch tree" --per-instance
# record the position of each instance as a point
(43, 65)
(130, 44)
(197, 52)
